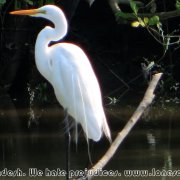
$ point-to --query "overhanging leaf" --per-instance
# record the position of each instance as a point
(153, 20)
(177, 4)
(134, 6)
(146, 20)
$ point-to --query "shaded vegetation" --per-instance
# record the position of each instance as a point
(124, 58)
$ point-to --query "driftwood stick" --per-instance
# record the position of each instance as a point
(147, 100)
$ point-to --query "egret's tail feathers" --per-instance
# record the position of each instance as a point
(106, 131)
(94, 131)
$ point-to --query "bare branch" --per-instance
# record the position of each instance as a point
(147, 100)
(131, 17)
(162, 15)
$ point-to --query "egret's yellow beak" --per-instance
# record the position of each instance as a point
(27, 12)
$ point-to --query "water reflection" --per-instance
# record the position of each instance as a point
(153, 143)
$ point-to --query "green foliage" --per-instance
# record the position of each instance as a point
(145, 22)
(153, 21)
(177, 4)
(134, 7)
(152, 24)
(154, 27)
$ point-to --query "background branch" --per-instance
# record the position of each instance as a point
(130, 16)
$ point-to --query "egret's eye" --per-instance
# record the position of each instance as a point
(43, 11)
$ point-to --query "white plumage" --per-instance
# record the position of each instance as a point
(68, 69)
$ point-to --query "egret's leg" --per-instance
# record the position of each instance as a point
(68, 144)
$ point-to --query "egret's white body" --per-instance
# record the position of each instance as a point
(68, 69)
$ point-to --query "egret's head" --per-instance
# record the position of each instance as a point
(50, 12)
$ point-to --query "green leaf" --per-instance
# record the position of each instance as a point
(135, 24)
(154, 20)
(134, 6)
(141, 22)
(146, 20)
(177, 4)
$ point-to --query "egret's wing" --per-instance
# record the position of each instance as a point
(77, 89)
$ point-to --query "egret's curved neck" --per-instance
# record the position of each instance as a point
(48, 34)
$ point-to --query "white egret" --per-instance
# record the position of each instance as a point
(67, 68)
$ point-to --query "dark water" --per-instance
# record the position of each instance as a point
(152, 145)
